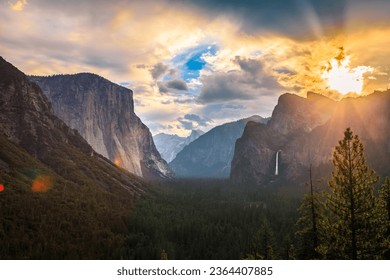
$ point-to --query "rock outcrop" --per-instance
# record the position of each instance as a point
(27, 120)
(211, 154)
(305, 131)
(103, 113)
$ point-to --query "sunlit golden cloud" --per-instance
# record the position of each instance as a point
(18, 5)
(258, 59)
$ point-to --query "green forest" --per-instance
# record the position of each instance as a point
(213, 220)
(345, 216)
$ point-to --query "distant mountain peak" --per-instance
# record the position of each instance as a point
(210, 155)
(169, 145)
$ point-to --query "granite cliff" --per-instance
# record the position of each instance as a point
(28, 121)
(103, 113)
(304, 131)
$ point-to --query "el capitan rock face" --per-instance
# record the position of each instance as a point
(305, 131)
(27, 120)
(103, 113)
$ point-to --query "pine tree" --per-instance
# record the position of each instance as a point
(383, 210)
(163, 255)
(384, 198)
(262, 247)
(309, 223)
(352, 220)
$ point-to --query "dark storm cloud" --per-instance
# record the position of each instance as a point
(289, 17)
(172, 85)
(293, 18)
(248, 83)
(177, 84)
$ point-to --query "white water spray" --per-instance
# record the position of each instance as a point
(277, 163)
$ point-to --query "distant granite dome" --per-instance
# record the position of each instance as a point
(305, 130)
(211, 154)
(170, 145)
(103, 113)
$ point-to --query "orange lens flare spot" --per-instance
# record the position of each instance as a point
(118, 161)
(1, 187)
(42, 184)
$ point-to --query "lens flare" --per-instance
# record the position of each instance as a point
(118, 160)
(340, 77)
(42, 183)
(1, 187)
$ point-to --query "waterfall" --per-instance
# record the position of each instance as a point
(277, 163)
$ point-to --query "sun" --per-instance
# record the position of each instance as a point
(340, 77)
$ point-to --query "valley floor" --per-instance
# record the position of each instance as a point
(212, 219)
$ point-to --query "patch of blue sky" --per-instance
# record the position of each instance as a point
(256, 53)
(191, 61)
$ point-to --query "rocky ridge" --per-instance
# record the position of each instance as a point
(27, 120)
(103, 113)
(304, 132)
(211, 154)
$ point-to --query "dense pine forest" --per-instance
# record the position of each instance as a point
(213, 220)
(343, 217)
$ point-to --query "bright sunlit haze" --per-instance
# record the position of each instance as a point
(197, 64)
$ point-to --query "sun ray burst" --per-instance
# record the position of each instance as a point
(342, 78)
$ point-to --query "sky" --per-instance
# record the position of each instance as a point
(195, 64)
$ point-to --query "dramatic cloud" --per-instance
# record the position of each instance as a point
(172, 85)
(299, 18)
(250, 82)
(217, 59)
(18, 5)
(192, 121)
(158, 70)
(177, 84)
